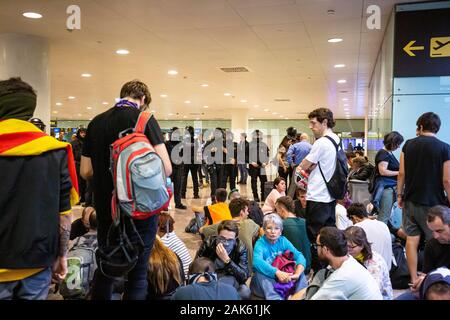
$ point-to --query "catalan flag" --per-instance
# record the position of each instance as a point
(20, 138)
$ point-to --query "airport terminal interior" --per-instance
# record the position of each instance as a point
(262, 80)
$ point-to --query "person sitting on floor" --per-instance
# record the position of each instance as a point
(203, 284)
(359, 248)
(229, 255)
(218, 211)
(294, 228)
(254, 210)
(279, 190)
(266, 277)
(168, 236)
(249, 231)
(347, 279)
(165, 272)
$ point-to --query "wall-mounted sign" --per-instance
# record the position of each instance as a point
(422, 43)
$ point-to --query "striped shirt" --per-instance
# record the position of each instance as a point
(174, 243)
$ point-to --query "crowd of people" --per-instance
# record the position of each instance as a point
(294, 240)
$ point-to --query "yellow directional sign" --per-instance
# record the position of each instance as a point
(409, 48)
(440, 47)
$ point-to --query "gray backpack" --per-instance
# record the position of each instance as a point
(81, 265)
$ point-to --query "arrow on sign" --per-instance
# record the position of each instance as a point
(409, 48)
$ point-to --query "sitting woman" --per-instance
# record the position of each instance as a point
(361, 169)
(359, 248)
(279, 190)
(267, 279)
(165, 272)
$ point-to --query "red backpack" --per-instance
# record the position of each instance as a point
(141, 188)
(285, 262)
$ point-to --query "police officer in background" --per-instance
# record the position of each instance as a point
(230, 170)
(213, 154)
(259, 159)
(190, 149)
(175, 150)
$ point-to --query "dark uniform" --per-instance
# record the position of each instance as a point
(259, 154)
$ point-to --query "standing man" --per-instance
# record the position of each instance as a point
(175, 150)
(230, 161)
(423, 182)
(103, 130)
(258, 159)
(190, 149)
(242, 159)
(213, 155)
(320, 205)
(295, 155)
(38, 187)
(77, 147)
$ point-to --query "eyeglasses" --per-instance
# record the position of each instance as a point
(316, 245)
(352, 247)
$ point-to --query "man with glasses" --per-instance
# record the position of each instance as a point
(229, 255)
(348, 280)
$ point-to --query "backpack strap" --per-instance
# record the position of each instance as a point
(142, 122)
(337, 149)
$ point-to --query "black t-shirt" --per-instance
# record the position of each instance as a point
(393, 164)
(436, 255)
(424, 159)
(103, 130)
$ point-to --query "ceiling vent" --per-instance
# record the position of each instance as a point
(282, 100)
(196, 114)
(234, 69)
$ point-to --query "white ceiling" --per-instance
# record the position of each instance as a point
(282, 42)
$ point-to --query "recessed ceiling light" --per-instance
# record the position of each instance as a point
(172, 72)
(170, 114)
(59, 104)
(346, 109)
(342, 81)
(55, 112)
(243, 101)
(90, 119)
(344, 99)
(256, 106)
(197, 119)
(335, 40)
(71, 98)
(204, 85)
(206, 107)
(339, 65)
(187, 101)
(152, 111)
(184, 117)
(89, 108)
(274, 113)
(32, 15)
(122, 52)
(105, 103)
(286, 118)
(281, 116)
(227, 94)
(266, 110)
(79, 114)
(251, 118)
(86, 75)
(163, 95)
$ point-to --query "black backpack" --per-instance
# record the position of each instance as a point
(337, 186)
(255, 213)
(399, 272)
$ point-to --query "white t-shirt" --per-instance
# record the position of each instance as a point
(342, 221)
(322, 151)
(349, 282)
(379, 237)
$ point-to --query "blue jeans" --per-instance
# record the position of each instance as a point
(242, 289)
(262, 286)
(243, 173)
(136, 284)
(34, 287)
(381, 184)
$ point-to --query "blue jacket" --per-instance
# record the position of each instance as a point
(265, 252)
(297, 152)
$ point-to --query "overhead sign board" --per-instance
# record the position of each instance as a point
(422, 43)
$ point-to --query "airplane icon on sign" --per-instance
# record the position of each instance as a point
(440, 44)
